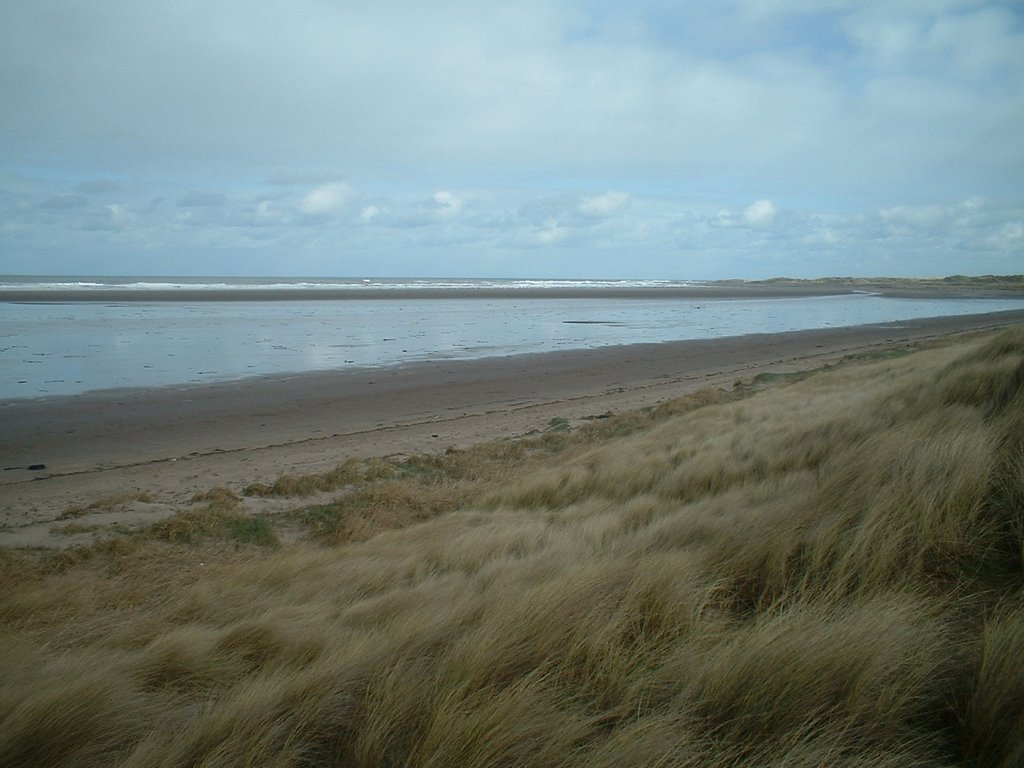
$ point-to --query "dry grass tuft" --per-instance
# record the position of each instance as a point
(379, 507)
(108, 504)
(217, 498)
(821, 570)
(347, 473)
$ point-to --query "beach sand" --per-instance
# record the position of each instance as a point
(174, 442)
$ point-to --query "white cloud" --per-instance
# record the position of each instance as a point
(892, 109)
(914, 217)
(760, 213)
(304, 86)
(448, 203)
(327, 200)
(603, 206)
(824, 237)
(109, 218)
(1010, 235)
(723, 218)
(551, 234)
(265, 210)
(119, 215)
(967, 219)
(979, 42)
(889, 38)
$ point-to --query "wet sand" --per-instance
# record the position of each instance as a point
(175, 441)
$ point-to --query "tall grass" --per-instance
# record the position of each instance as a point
(828, 572)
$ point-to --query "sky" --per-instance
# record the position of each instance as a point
(561, 139)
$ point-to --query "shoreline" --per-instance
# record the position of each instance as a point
(129, 295)
(722, 289)
(179, 441)
(122, 345)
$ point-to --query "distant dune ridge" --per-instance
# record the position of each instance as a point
(804, 570)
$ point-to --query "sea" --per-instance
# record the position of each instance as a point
(58, 344)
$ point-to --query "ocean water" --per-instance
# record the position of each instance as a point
(57, 347)
(369, 285)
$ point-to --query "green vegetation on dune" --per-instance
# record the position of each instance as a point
(826, 571)
(984, 285)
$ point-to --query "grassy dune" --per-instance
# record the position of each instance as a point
(954, 285)
(827, 571)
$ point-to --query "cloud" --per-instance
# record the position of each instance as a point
(551, 234)
(916, 217)
(824, 237)
(866, 122)
(760, 213)
(119, 215)
(448, 203)
(268, 213)
(603, 206)
(572, 88)
(108, 218)
(1009, 236)
(933, 220)
(557, 217)
(326, 200)
(979, 42)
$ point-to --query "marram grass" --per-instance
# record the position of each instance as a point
(828, 572)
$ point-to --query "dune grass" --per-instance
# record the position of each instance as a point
(828, 571)
(108, 504)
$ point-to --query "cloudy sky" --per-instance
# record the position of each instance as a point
(663, 139)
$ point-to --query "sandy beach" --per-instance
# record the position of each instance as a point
(175, 442)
